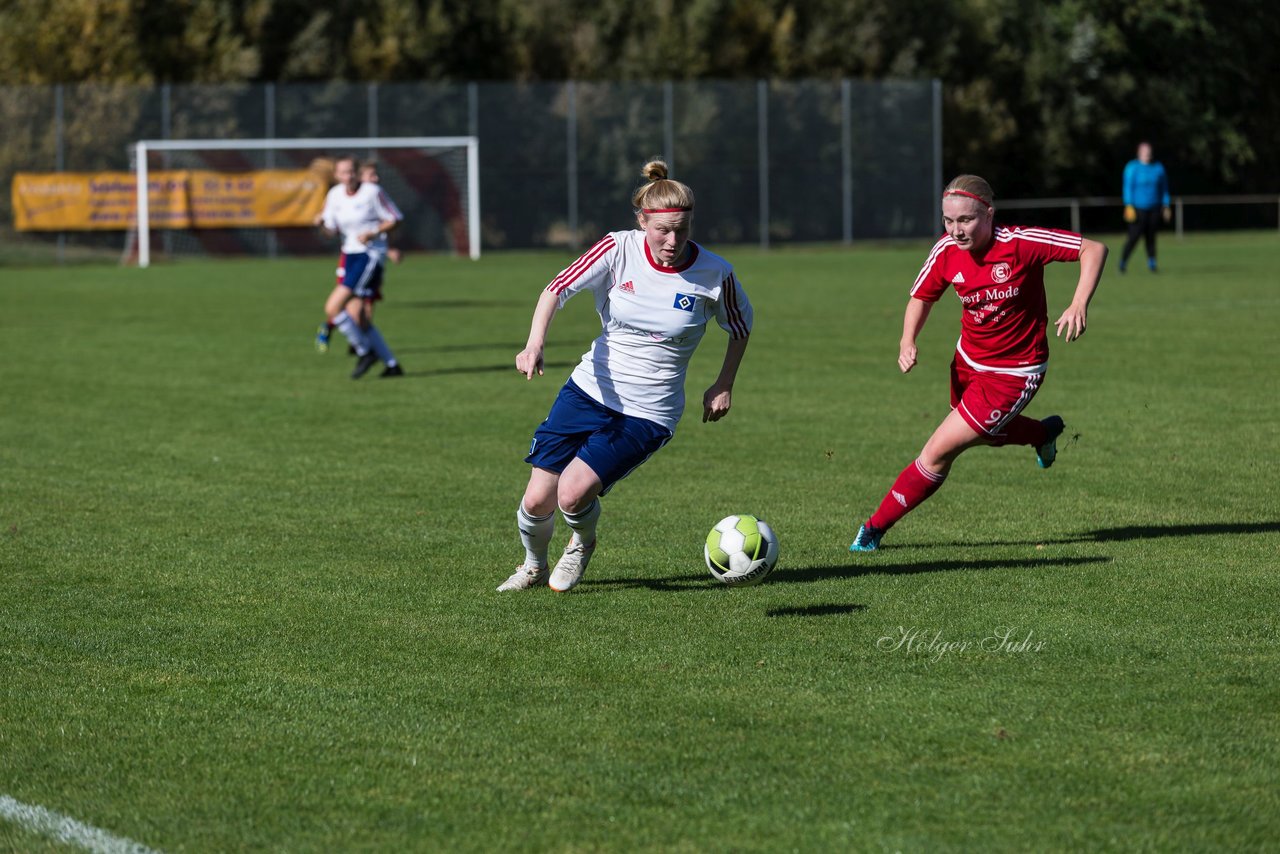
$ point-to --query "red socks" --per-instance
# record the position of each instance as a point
(916, 483)
(909, 491)
(1022, 430)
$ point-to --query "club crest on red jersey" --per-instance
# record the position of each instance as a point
(1000, 273)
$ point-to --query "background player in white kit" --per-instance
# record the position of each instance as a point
(364, 214)
(654, 290)
(369, 175)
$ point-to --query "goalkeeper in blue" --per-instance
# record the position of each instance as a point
(1146, 201)
(655, 291)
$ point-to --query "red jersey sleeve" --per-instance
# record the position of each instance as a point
(930, 284)
(1044, 245)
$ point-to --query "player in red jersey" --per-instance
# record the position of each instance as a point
(1003, 352)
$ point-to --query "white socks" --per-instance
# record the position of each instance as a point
(583, 522)
(351, 329)
(536, 531)
(379, 346)
(365, 340)
(535, 534)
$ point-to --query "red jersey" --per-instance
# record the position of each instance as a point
(1004, 323)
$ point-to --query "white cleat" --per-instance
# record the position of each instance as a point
(572, 564)
(525, 577)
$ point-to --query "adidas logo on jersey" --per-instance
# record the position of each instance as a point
(627, 288)
(958, 280)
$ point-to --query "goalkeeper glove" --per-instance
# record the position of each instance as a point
(1130, 214)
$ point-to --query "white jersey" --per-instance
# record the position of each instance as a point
(353, 214)
(653, 317)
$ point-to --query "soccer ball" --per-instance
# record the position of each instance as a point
(741, 550)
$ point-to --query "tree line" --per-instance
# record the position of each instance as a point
(1042, 97)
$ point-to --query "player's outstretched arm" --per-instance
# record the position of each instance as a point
(386, 226)
(912, 322)
(529, 360)
(718, 399)
(1093, 257)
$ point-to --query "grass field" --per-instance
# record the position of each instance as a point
(247, 603)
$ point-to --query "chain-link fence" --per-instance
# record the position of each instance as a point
(770, 161)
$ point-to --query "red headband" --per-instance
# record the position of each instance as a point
(665, 210)
(954, 192)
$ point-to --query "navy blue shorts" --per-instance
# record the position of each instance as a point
(363, 274)
(611, 443)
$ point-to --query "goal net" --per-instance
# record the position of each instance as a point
(259, 197)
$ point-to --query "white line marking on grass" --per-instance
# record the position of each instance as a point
(66, 829)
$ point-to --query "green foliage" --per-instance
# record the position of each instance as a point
(1075, 84)
(71, 40)
(248, 604)
(1043, 98)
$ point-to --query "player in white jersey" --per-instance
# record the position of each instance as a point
(363, 214)
(655, 290)
(369, 175)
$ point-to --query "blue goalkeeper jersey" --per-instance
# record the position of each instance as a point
(1145, 185)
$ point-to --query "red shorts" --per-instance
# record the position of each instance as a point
(987, 401)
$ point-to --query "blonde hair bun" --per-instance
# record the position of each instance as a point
(655, 170)
(660, 193)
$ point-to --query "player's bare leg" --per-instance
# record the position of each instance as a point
(953, 437)
(332, 306)
(337, 301)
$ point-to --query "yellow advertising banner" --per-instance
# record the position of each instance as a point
(187, 198)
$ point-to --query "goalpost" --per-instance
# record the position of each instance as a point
(435, 180)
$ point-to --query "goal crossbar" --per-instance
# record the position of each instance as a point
(143, 146)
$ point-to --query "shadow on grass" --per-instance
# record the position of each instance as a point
(817, 573)
(1133, 532)
(1150, 532)
(458, 303)
(814, 610)
(503, 346)
(479, 369)
(671, 584)
(464, 348)
(804, 575)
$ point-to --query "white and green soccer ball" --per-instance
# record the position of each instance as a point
(741, 550)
